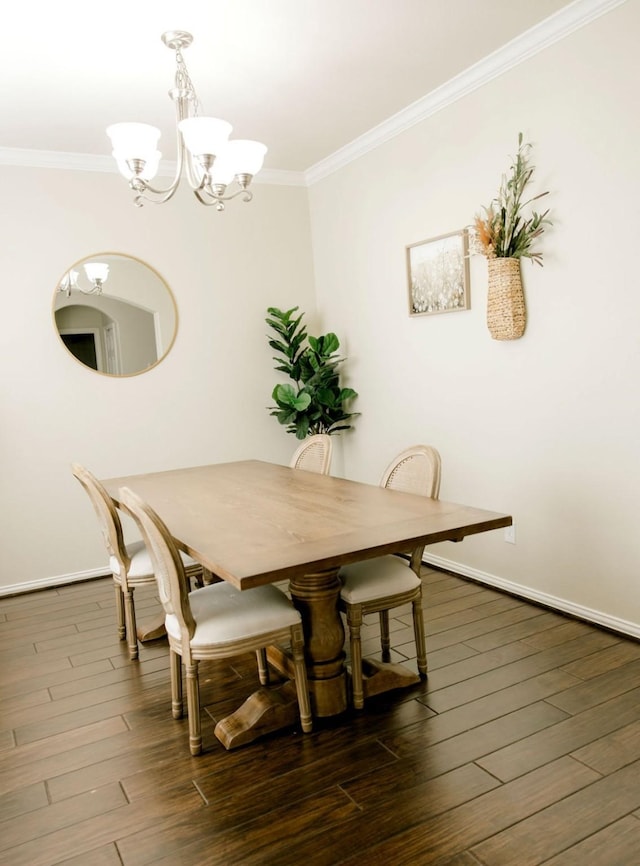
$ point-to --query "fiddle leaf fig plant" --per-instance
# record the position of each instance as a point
(315, 402)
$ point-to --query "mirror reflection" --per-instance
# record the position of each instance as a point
(115, 314)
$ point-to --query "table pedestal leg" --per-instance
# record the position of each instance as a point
(263, 712)
(151, 631)
(315, 595)
(378, 677)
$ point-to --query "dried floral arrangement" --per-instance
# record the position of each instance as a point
(504, 231)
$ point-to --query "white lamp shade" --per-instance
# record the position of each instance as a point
(134, 140)
(97, 271)
(151, 165)
(204, 135)
(244, 156)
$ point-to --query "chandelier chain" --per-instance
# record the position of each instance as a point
(185, 85)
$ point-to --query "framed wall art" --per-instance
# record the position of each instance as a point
(438, 274)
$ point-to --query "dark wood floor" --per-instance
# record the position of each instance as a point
(522, 747)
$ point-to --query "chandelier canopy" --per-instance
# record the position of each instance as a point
(217, 168)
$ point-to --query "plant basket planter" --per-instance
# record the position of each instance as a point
(506, 312)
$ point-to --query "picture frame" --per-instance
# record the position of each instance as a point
(438, 274)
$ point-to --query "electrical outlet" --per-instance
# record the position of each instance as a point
(510, 533)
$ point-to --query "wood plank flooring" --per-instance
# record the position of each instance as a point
(522, 747)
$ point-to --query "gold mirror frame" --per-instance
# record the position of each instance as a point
(124, 327)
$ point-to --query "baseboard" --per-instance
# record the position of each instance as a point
(596, 617)
(49, 582)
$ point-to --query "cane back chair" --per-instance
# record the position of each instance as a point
(314, 454)
(387, 582)
(217, 621)
(130, 563)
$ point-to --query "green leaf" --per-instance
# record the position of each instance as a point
(327, 397)
(302, 402)
(347, 394)
(303, 429)
(277, 346)
(285, 395)
(330, 344)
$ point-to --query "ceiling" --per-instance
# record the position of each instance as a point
(306, 77)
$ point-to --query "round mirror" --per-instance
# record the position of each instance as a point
(115, 314)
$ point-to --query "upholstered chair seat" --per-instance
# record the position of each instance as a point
(379, 578)
(223, 615)
(140, 568)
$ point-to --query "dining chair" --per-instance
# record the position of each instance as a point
(215, 622)
(130, 563)
(314, 454)
(381, 584)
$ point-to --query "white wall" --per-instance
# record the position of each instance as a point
(204, 402)
(545, 427)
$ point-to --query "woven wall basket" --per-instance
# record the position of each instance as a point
(506, 313)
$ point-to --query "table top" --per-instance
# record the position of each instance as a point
(253, 522)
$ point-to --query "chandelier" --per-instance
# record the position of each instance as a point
(217, 169)
(97, 274)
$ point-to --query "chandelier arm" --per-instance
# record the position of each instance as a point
(209, 198)
(192, 178)
(208, 202)
(66, 287)
(148, 193)
(142, 187)
(145, 191)
(248, 195)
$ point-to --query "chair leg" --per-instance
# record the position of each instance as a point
(418, 630)
(193, 708)
(354, 621)
(130, 618)
(385, 641)
(122, 631)
(263, 669)
(175, 665)
(302, 686)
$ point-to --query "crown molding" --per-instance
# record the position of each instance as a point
(553, 29)
(55, 159)
(106, 164)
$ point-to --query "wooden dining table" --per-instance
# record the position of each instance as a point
(251, 523)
